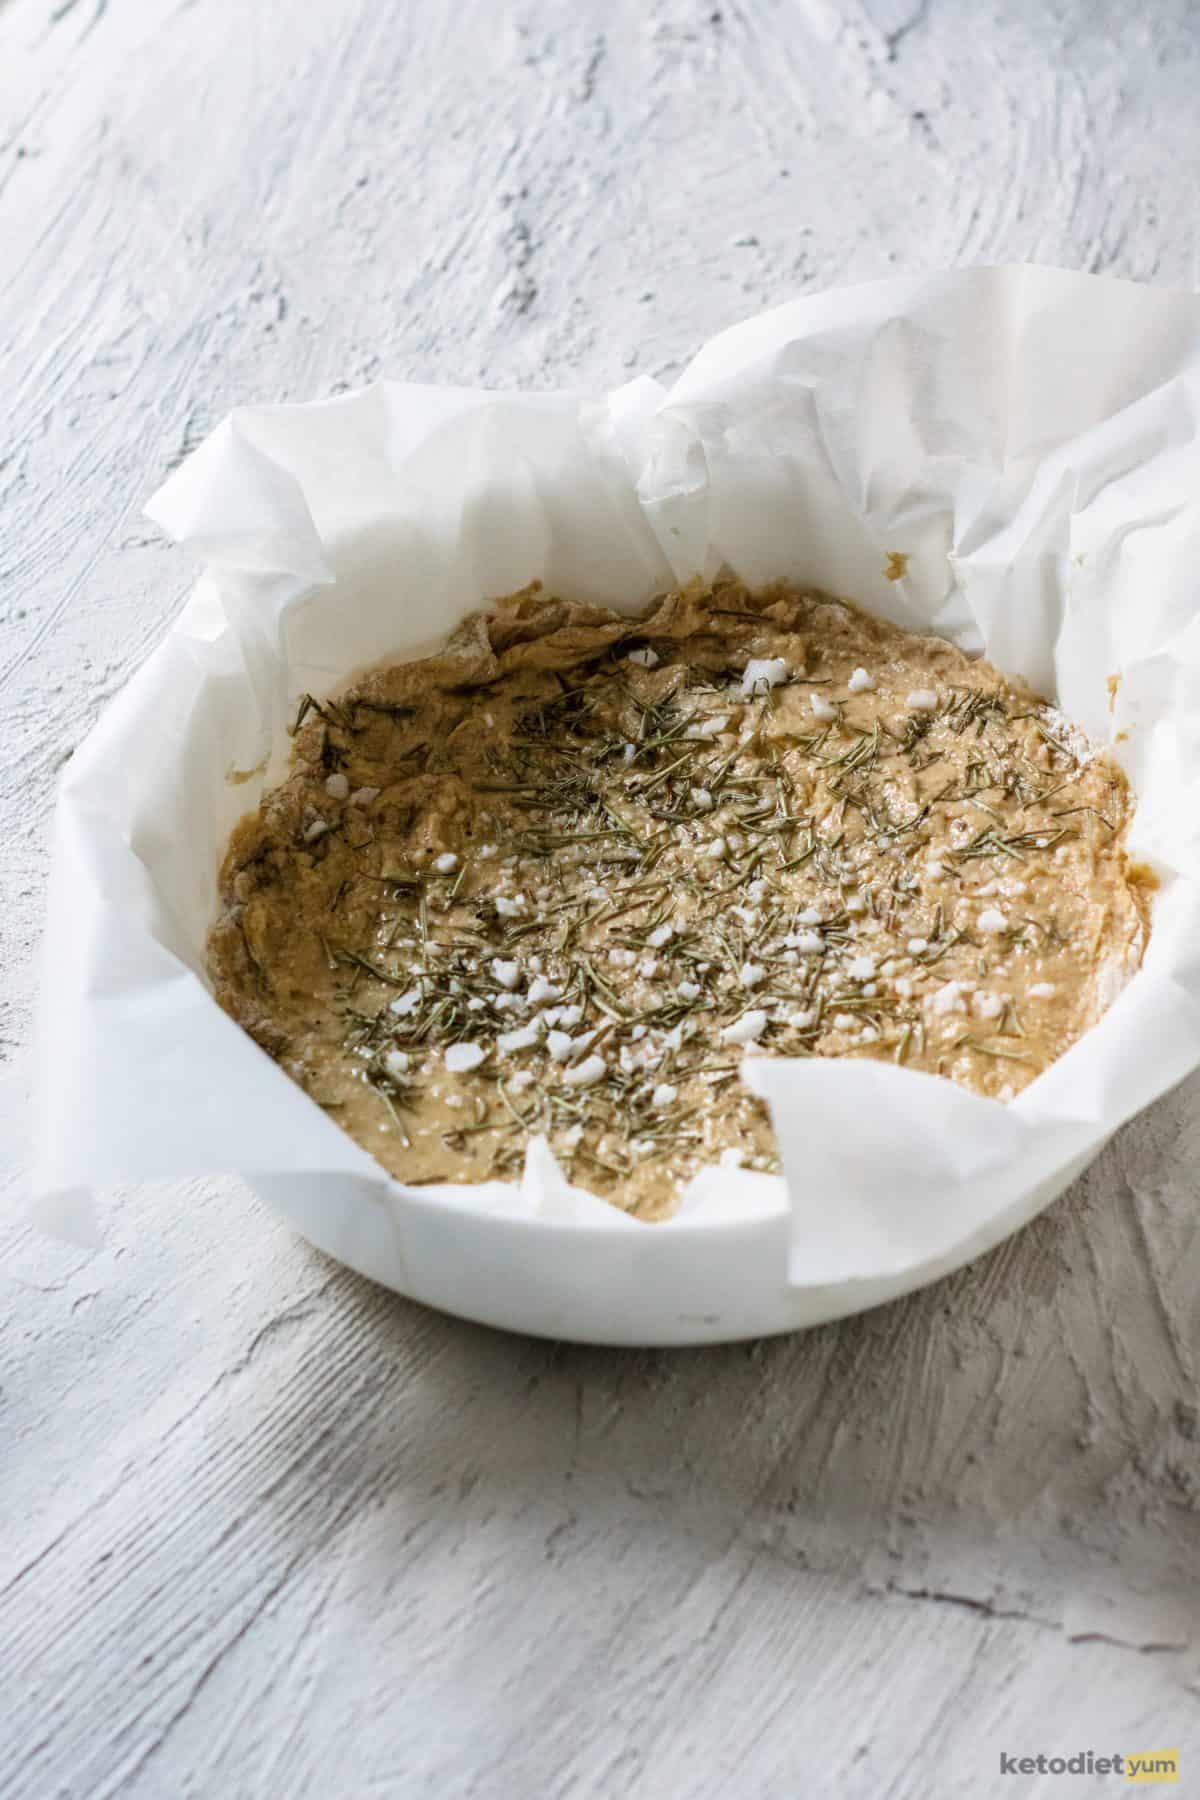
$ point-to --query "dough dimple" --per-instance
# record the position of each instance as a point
(563, 876)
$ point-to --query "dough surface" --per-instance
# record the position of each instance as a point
(559, 877)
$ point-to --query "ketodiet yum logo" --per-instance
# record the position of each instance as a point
(1131, 1765)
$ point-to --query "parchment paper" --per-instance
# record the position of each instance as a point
(1028, 439)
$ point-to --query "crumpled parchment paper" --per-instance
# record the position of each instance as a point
(1028, 439)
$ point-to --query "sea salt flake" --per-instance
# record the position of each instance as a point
(707, 728)
(587, 1073)
(508, 974)
(663, 1094)
(991, 919)
(459, 1058)
(746, 1030)
(406, 1003)
(917, 946)
(523, 1038)
(446, 863)
(541, 990)
(821, 709)
(763, 673)
(662, 934)
(860, 968)
(510, 909)
(688, 990)
(861, 682)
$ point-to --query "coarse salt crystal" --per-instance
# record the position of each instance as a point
(645, 658)
(406, 1003)
(751, 974)
(508, 974)
(917, 946)
(861, 968)
(714, 848)
(802, 1018)
(861, 683)
(808, 943)
(992, 919)
(560, 1045)
(762, 673)
(587, 1073)
(810, 916)
(921, 700)
(662, 934)
(396, 1064)
(821, 709)
(510, 909)
(316, 830)
(844, 1022)
(446, 863)
(1042, 990)
(989, 1006)
(746, 1030)
(337, 787)
(509, 1003)
(708, 728)
(702, 800)
(904, 988)
(688, 990)
(363, 796)
(569, 1015)
(475, 1004)
(854, 903)
(522, 1079)
(869, 1034)
(485, 851)
(622, 959)
(523, 1038)
(628, 752)
(541, 990)
(648, 968)
(950, 997)
(638, 1033)
(663, 1094)
(933, 867)
(459, 1058)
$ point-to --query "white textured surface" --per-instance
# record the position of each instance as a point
(266, 1530)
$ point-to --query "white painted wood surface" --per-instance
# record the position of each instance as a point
(266, 1530)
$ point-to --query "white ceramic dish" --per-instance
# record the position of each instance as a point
(684, 1282)
(1026, 438)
